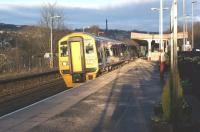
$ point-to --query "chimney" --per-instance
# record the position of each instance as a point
(106, 25)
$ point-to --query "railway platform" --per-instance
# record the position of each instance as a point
(121, 100)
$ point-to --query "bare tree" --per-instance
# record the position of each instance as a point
(47, 11)
(94, 30)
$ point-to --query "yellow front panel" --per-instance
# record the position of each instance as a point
(76, 56)
(68, 80)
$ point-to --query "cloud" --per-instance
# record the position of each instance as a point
(6, 8)
(197, 18)
(128, 17)
(84, 4)
(18, 11)
(121, 14)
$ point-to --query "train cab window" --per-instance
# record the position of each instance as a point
(64, 51)
(89, 49)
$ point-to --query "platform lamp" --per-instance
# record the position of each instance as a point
(160, 10)
(184, 26)
(51, 54)
(193, 2)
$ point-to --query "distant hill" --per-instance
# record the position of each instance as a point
(4, 26)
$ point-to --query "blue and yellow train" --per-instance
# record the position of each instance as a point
(82, 56)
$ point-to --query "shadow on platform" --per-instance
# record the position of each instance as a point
(133, 108)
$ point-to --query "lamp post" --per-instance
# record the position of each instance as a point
(51, 57)
(160, 22)
(185, 30)
(184, 26)
(161, 25)
(193, 2)
(85, 27)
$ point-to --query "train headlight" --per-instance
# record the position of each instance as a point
(90, 61)
(65, 63)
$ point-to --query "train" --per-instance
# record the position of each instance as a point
(83, 56)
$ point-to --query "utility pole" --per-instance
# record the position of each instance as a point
(186, 28)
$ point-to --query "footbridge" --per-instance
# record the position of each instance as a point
(152, 53)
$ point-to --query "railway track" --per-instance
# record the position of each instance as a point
(35, 94)
(31, 96)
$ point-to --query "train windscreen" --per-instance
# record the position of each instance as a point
(64, 50)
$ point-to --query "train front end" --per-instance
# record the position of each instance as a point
(78, 59)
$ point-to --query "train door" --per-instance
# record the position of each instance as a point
(77, 58)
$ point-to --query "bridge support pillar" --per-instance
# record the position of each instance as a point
(166, 43)
(149, 49)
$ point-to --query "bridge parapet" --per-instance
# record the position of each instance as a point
(145, 36)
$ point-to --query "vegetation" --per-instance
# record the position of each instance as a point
(187, 78)
(189, 67)
(23, 48)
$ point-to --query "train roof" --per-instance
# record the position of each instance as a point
(101, 38)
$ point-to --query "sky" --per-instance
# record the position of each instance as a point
(121, 14)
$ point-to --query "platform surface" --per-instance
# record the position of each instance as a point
(121, 100)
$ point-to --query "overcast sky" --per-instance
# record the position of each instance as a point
(121, 14)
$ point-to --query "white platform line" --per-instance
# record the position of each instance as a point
(4, 116)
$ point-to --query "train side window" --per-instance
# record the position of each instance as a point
(89, 49)
(99, 55)
(114, 51)
(107, 52)
(64, 51)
